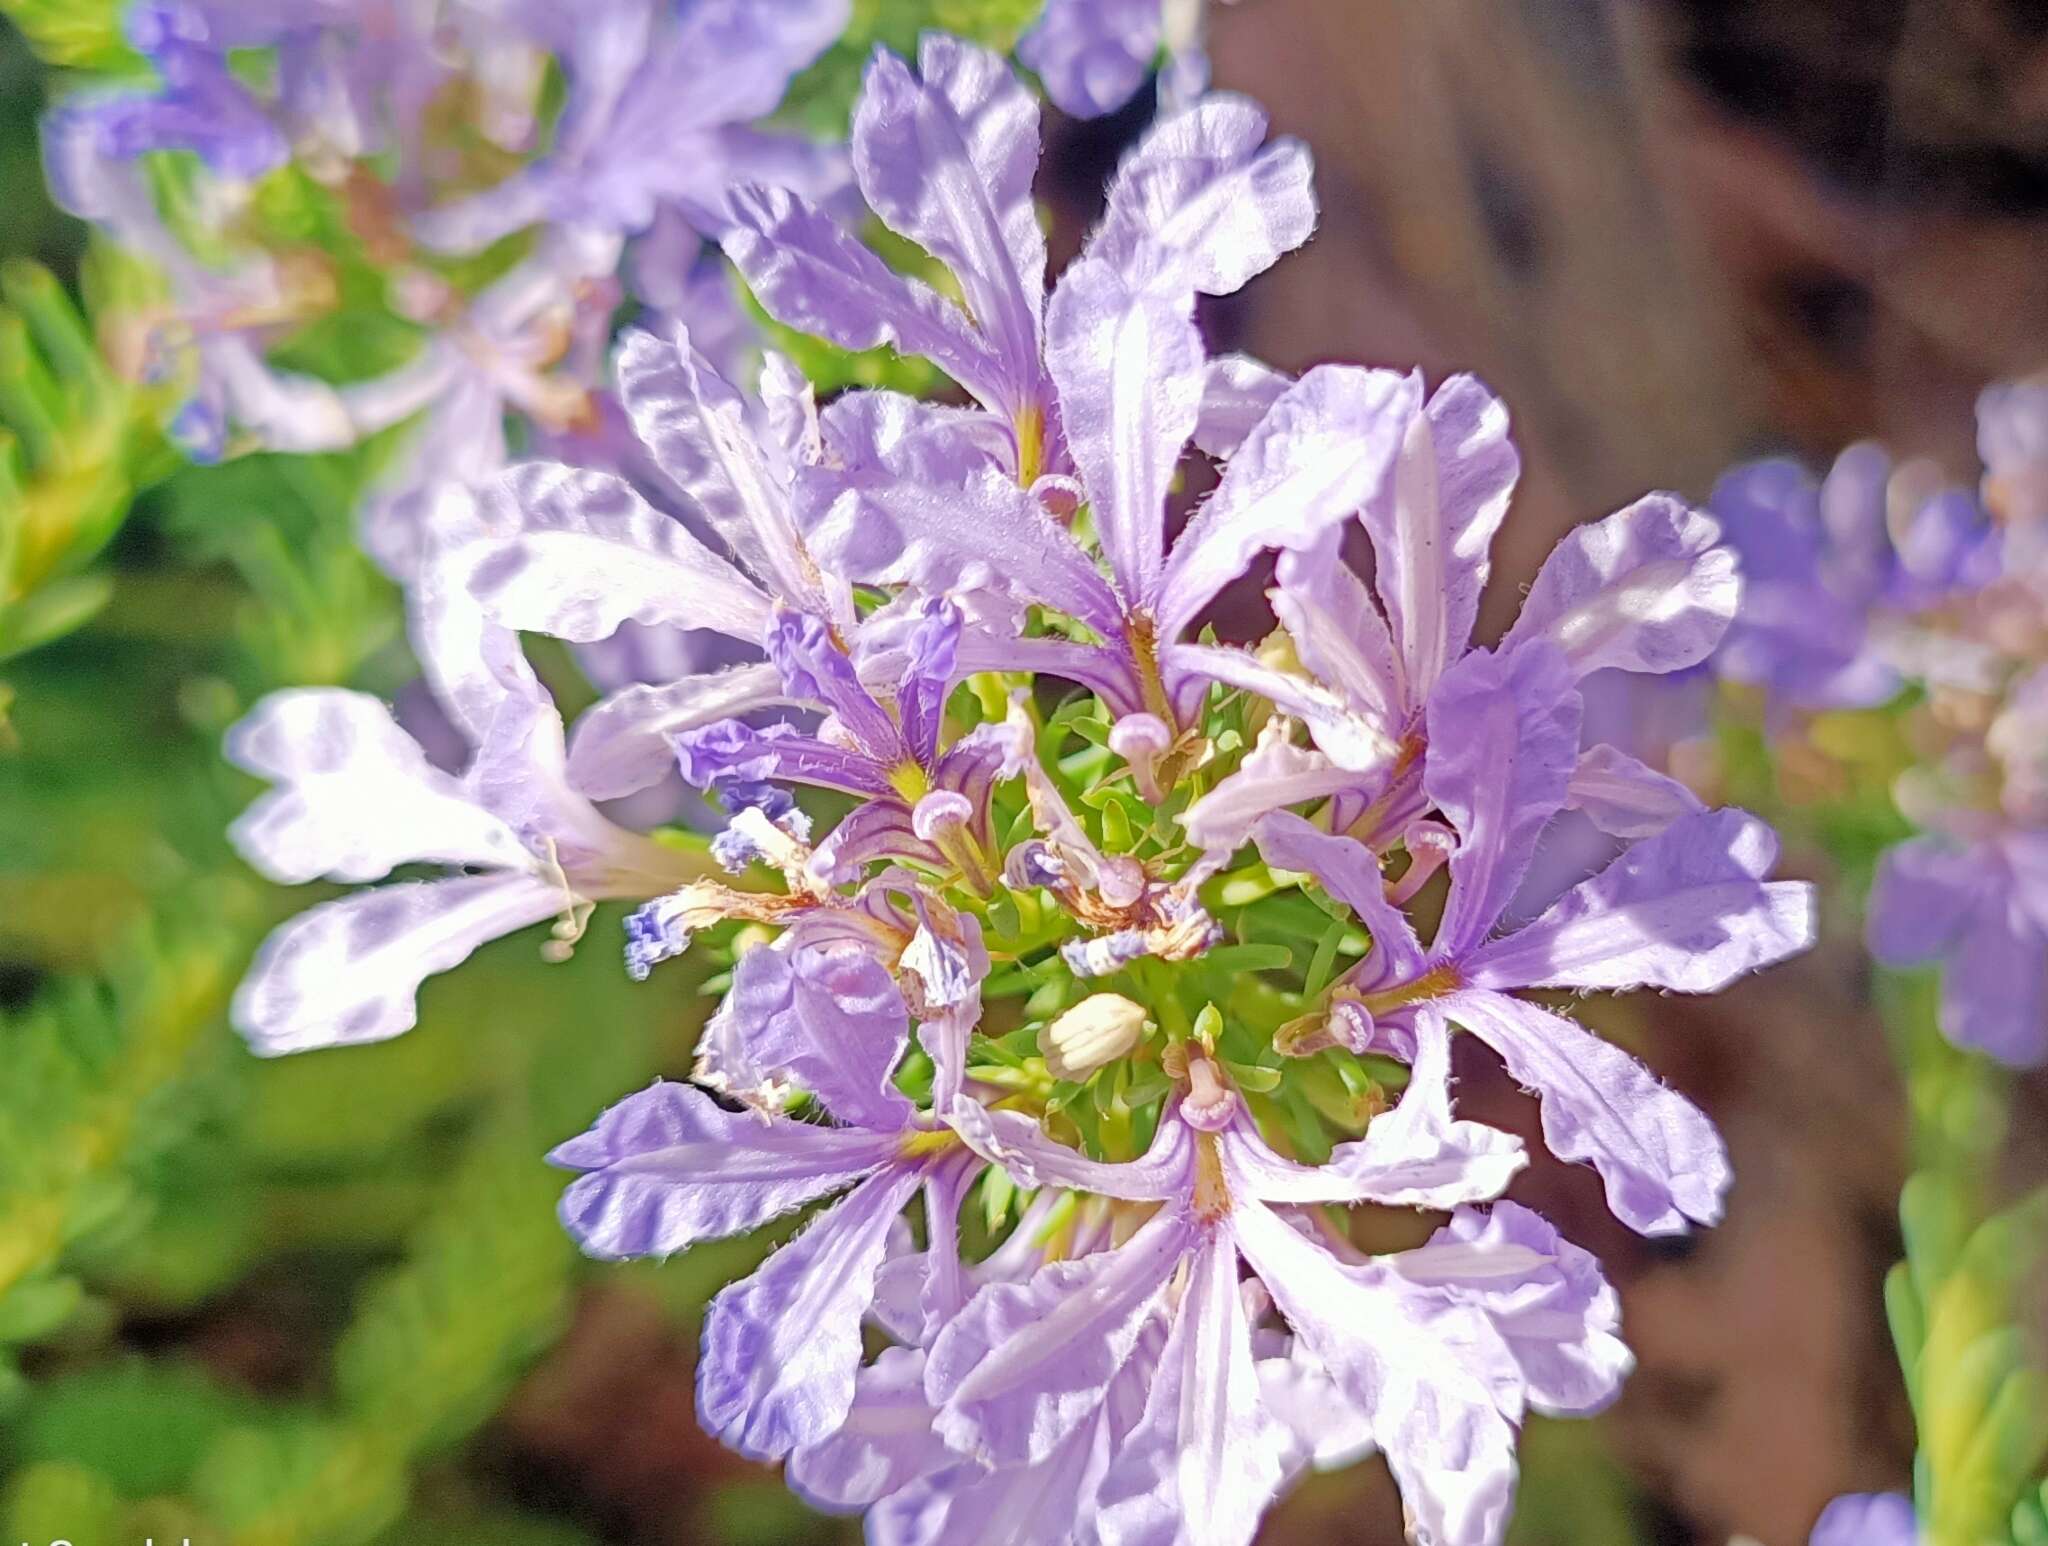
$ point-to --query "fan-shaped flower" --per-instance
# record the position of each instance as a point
(1688, 910)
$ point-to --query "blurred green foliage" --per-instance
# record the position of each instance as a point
(1958, 1303)
(76, 443)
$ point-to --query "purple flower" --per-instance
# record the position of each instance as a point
(1636, 730)
(641, 140)
(200, 106)
(1867, 1519)
(1128, 1384)
(1093, 57)
(669, 1167)
(660, 100)
(1170, 1322)
(1687, 910)
(501, 359)
(1129, 363)
(945, 157)
(896, 493)
(919, 802)
(1803, 623)
(579, 553)
(1879, 578)
(1979, 909)
(1648, 590)
(209, 338)
(356, 797)
(1834, 571)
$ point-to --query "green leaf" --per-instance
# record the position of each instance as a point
(52, 612)
(143, 1426)
(1908, 1319)
(1232, 959)
(77, 34)
(60, 1501)
(37, 1307)
(998, 1192)
(2030, 1519)
(1254, 1079)
(2012, 1439)
(304, 1480)
(1934, 1213)
(1323, 963)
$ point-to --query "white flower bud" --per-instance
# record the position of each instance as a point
(1098, 1030)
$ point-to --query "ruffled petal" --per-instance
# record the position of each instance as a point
(1025, 1364)
(1624, 797)
(1548, 1299)
(1322, 450)
(1351, 873)
(1018, 1144)
(1203, 201)
(729, 751)
(1357, 741)
(1237, 390)
(356, 796)
(1276, 774)
(782, 1348)
(947, 160)
(1210, 1453)
(1503, 741)
(1339, 633)
(696, 426)
(1650, 588)
(816, 669)
(885, 1444)
(1415, 1156)
(575, 553)
(1688, 910)
(981, 533)
(472, 663)
(1432, 528)
(348, 971)
(520, 774)
(1662, 1162)
(971, 1505)
(1434, 1380)
(1129, 366)
(669, 1167)
(878, 431)
(880, 829)
(810, 274)
(625, 742)
(831, 1020)
(1092, 55)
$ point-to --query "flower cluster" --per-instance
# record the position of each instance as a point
(406, 161)
(1880, 584)
(1123, 959)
